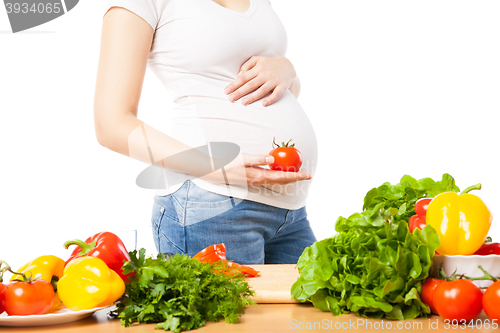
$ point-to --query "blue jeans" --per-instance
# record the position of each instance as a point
(191, 219)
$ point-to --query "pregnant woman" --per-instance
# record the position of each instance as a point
(223, 64)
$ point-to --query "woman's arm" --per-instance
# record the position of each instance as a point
(125, 45)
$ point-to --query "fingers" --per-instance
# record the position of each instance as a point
(277, 93)
(262, 91)
(284, 177)
(254, 160)
(258, 176)
(249, 64)
(247, 87)
(242, 79)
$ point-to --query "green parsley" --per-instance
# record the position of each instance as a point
(180, 293)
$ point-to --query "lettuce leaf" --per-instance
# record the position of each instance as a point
(374, 266)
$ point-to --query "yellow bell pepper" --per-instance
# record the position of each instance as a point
(88, 283)
(461, 221)
(44, 268)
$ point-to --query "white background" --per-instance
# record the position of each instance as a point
(391, 88)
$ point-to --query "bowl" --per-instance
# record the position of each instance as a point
(468, 265)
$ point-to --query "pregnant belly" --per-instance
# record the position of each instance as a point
(202, 119)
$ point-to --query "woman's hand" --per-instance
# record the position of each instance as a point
(246, 170)
(259, 76)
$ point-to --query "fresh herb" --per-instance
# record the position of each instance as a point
(180, 293)
(374, 266)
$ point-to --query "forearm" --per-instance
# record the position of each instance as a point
(127, 135)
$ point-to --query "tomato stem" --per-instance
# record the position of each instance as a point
(3, 270)
(8, 268)
(283, 144)
(274, 143)
(487, 276)
(470, 188)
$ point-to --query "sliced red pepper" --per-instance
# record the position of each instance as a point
(488, 248)
(106, 246)
(212, 253)
(248, 271)
(212, 257)
(216, 253)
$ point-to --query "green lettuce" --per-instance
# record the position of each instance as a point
(374, 266)
(403, 195)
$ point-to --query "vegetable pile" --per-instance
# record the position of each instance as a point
(176, 291)
(456, 298)
(180, 293)
(374, 266)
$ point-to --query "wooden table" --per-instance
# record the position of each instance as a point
(266, 318)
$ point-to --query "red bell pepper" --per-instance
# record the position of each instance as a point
(418, 220)
(216, 253)
(488, 248)
(106, 246)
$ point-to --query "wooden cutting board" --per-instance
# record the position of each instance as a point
(274, 283)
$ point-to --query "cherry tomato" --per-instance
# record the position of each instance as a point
(421, 206)
(27, 298)
(491, 301)
(461, 300)
(488, 248)
(427, 294)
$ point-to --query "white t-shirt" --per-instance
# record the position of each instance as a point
(198, 49)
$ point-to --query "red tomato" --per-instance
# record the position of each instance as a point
(421, 206)
(491, 301)
(2, 288)
(427, 294)
(27, 298)
(286, 159)
(459, 300)
(488, 248)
